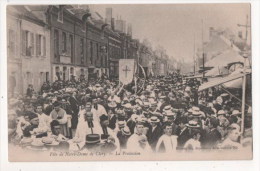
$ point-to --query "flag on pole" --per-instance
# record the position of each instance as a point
(126, 70)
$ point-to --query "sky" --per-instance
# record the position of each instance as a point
(177, 26)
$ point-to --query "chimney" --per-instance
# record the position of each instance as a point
(129, 29)
(108, 16)
(124, 26)
(119, 25)
(240, 34)
(113, 24)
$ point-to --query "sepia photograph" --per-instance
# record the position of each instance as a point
(129, 82)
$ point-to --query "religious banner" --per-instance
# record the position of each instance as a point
(126, 70)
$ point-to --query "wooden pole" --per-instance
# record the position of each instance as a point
(243, 97)
(194, 60)
(203, 55)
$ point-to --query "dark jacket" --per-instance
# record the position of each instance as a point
(131, 125)
(112, 122)
(153, 136)
(211, 139)
(183, 137)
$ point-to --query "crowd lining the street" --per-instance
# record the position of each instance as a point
(165, 114)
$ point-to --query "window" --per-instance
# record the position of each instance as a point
(44, 46)
(27, 43)
(71, 71)
(47, 76)
(29, 78)
(42, 78)
(82, 51)
(56, 44)
(40, 45)
(91, 53)
(64, 76)
(11, 42)
(60, 14)
(64, 42)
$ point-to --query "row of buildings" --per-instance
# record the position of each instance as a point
(62, 42)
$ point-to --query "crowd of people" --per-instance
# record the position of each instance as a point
(163, 115)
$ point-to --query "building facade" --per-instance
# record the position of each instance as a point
(28, 50)
(68, 44)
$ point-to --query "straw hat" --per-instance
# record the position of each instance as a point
(221, 112)
(193, 124)
(235, 112)
(112, 104)
(126, 131)
(154, 119)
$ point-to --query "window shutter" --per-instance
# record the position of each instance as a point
(61, 42)
(32, 44)
(23, 42)
(44, 46)
(69, 45)
(37, 45)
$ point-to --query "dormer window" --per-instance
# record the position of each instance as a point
(60, 14)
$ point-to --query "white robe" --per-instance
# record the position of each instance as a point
(44, 122)
(170, 143)
(83, 130)
(133, 145)
(97, 113)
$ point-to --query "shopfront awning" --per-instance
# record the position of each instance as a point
(220, 81)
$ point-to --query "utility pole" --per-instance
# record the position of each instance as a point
(246, 56)
(246, 26)
(203, 55)
(194, 60)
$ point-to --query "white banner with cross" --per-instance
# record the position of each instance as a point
(126, 70)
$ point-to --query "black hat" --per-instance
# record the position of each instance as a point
(92, 138)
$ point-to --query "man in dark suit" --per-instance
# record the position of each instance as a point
(155, 131)
(112, 120)
(213, 136)
(183, 133)
(163, 102)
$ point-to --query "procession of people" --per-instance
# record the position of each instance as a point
(163, 114)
